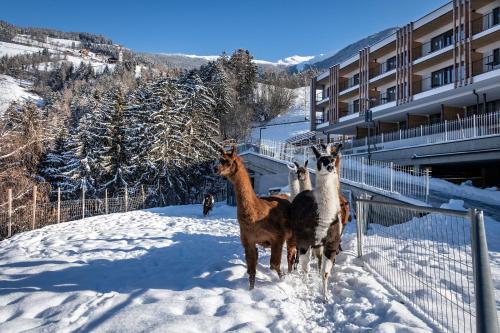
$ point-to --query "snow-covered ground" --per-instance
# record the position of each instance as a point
(171, 270)
(11, 91)
(291, 123)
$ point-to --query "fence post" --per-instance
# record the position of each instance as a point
(143, 197)
(106, 201)
(445, 130)
(58, 205)
(392, 177)
(474, 125)
(9, 195)
(363, 169)
(33, 216)
(486, 313)
(126, 198)
(83, 202)
(427, 184)
(359, 221)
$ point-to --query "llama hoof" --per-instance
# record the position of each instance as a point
(251, 282)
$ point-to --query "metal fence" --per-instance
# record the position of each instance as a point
(471, 127)
(34, 215)
(384, 176)
(436, 259)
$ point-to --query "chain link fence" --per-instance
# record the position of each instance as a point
(436, 259)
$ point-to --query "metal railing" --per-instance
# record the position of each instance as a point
(387, 177)
(485, 22)
(436, 259)
(471, 127)
(34, 215)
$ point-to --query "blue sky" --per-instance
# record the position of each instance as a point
(271, 30)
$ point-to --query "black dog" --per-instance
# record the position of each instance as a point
(208, 204)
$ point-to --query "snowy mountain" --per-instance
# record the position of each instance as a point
(325, 61)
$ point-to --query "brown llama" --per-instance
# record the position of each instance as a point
(263, 221)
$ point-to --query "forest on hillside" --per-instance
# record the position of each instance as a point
(115, 129)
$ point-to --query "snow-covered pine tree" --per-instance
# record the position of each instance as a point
(57, 164)
(113, 158)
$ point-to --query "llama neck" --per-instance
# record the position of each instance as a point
(306, 183)
(327, 198)
(293, 184)
(245, 195)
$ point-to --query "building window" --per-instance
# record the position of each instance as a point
(496, 57)
(496, 16)
(442, 77)
(441, 41)
(391, 94)
(355, 106)
(391, 63)
(355, 80)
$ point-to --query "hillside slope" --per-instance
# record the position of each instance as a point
(11, 90)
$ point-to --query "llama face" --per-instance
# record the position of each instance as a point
(325, 164)
(302, 172)
(227, 163)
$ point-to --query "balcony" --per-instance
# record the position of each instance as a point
(382, 69)
(431, 46)
(321, 98)
(486, 64)
(383, 98)
(486, 22)
(349, 83)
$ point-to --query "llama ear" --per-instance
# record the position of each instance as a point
(324, 146)
(338, 146)
(291, 167)
(305, 164)
(222, 151)
(296, 164)
(234, 151)
(316, 152)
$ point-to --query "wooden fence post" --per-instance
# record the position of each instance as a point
(83, 202)
(58, 205)
(9, 231)
(106, 211)
(33, 221)
(143, 197)
(126, 199)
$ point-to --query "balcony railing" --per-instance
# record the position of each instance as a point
(486, 64)
(471, 127)
(349, 83)
(320, 97)
(485, 22)
(429, 47)
(383, 98)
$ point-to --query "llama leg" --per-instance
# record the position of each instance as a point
(276, 249)
(251, 256)
(291, 254)
(325, 274)
(330, 253)
(318, 253)
(305, 256)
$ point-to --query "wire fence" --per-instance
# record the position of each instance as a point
(432, 257)
(34, 215)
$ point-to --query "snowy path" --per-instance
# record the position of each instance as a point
(170, 270)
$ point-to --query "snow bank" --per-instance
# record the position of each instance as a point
(11, 91)
(466, 191)
(171, 270)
